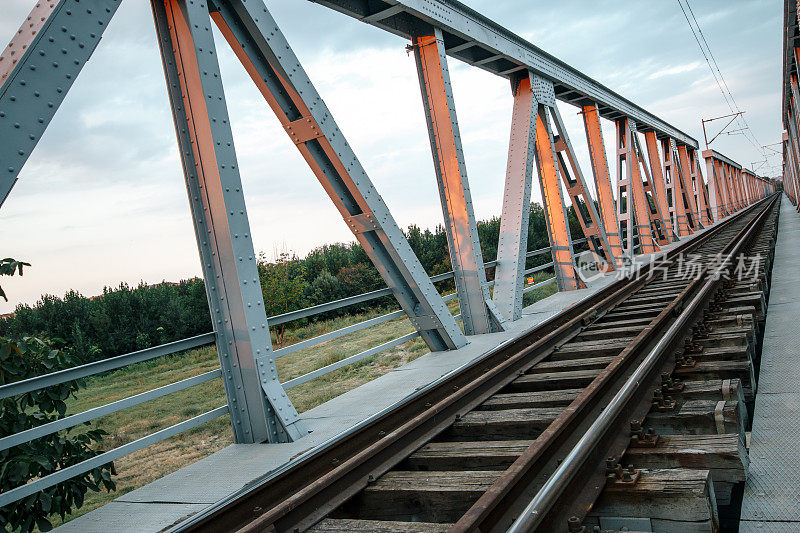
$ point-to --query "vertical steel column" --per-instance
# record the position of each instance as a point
(657, 225)
(632, 208)
(794, 146)
(685, 188)
(513, 244)
(582, 201)
(602, 178)
(723, 183)
(716, 201)
(790, 168)
(554, 208)
(737, 188)
(266, 55)
(38, 68)
(702, 193)
(259, 408)
(478, 312)
(679, 224)
(659, 188)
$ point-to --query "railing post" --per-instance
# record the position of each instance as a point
(659, 187)
(258, 406)
(554, 208)
(602, 178)
(632, 209)
(512, 246)
(266, 55)
(37, 70)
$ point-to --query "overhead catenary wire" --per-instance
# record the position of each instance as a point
(716, 72)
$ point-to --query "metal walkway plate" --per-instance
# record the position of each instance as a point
(772, 491)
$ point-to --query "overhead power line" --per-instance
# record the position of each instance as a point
(716, 72)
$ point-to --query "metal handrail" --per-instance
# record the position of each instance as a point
(113, 363)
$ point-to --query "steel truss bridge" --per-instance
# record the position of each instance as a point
(666, 191)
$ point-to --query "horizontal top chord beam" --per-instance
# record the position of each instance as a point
(477, 40)
(719, 157)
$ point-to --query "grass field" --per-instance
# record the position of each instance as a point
(153, 462)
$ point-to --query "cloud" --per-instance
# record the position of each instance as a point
(675, 69)
(102, 199)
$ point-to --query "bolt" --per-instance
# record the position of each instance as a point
(574, 525)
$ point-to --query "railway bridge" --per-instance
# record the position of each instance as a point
(656, 390)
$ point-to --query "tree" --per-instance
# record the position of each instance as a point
(283, 285)
(8, 267)
(20, 359)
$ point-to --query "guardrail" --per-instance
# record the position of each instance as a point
(113, 363)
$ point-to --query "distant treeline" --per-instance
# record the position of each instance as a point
(124, 319)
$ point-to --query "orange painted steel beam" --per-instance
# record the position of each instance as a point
(687, 192)
(657, 225)
(258, 406)
(602, 179)
(724, 184)
(728, 172)
(658, 184)
(677, 215)
(792, 145)
(790, 169)
(632, 209)
(716, 194)
(740, 188)
(310, 125)
(793, 123)
(706, 218)
(577, 190)
(555, 210)
(478, 312)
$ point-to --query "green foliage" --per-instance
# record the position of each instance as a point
(283, 285)
(121, 320)
(21, 359)
(8, 267)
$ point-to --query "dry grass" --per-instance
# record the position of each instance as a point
(160, 459)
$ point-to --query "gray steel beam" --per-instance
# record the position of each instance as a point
(515, 217)
(37, 69)
(461, 25)
(259, 407)
(265, 53)
(478, 311)
(724, 159)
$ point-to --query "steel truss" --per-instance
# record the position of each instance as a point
(655, 199)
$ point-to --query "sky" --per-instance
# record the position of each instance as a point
(102, 199)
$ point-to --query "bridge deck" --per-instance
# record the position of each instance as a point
(772, 491)
(164, 502)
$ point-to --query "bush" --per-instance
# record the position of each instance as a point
(21, 359)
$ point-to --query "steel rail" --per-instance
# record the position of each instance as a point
(308, 488)
(539, 459)
(535, 513)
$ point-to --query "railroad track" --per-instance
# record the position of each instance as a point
(629, 406)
